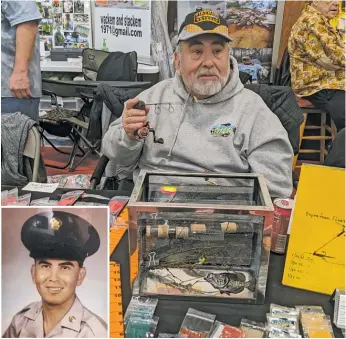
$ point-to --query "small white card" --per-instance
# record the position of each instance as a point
(40, 187)
(339, 309)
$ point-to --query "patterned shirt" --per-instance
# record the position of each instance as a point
(317, 54)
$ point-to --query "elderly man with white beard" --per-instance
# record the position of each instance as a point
(208, 121)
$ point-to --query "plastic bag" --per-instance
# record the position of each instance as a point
(69, 198)
(221, 330)
(197, 324)
(252, 329)
(141, 327)
(141, 307)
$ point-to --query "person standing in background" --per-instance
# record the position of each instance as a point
(21, 84)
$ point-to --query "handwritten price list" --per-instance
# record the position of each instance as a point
(299, 266)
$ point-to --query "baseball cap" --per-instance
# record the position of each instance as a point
(203, 21)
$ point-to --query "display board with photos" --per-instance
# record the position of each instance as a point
(65, 23)
(251, 25)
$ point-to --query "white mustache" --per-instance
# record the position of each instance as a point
(208, 73)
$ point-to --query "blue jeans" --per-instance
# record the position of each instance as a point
(29, 107)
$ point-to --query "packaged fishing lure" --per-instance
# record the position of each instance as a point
(252, 329)
(280, 333)
(12, 196)
(283, 321)
(39, 202)
(221, 330)
(316, 326)
(197, 324)
(141, 327)
(140, 307)
(319, 327)
(4, 198)
(275, 309)
(69, 198)
(24, 200)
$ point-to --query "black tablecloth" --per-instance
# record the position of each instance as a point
(172, 313)
(56, 195)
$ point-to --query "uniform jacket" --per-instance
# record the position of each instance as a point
(78, 322)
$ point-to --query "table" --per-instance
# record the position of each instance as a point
(56, 195)
(74, 65)
(172, 313)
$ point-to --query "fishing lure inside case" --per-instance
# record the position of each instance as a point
(213, 245)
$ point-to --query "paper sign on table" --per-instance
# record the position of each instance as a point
(315, 258)
(40, 187)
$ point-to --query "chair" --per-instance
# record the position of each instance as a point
(32, 150)
(73, 124)
(326, 132)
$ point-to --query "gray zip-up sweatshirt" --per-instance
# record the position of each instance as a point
(232, 131)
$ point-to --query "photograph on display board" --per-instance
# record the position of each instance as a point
(251, 23)
(45, 27)
(81, 18)
(68, 6)
(78, 6)
(74, 40)
(57, 21)
(54, 272)
(67, 22)
(45, 9)
(82, 31)
(254, 61)
(135, 4)
(59, 38)
(48, 43)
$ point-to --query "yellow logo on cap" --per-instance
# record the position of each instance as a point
(55, 224)
(206, 15)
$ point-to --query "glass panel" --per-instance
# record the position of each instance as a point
(201, 190)
(199, 255)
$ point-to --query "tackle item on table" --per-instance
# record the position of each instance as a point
(4, 198)
(339, 317)
(252, 329)
(320, 327)
(280, 333)
(39, 202)
(221, 330)
(12, 196)
(275, 309)
(69, 198)
(282, 214)
(117, 204)
(197, 324)
(283, 321)
(142, 307)
(141, 327)
(169, 335)
(23, 200)
(305, 309)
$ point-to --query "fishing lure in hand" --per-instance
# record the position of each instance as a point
(143, 132)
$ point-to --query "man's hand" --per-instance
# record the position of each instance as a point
(133, 119)
(20, 85)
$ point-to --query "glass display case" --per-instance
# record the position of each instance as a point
(201, 235)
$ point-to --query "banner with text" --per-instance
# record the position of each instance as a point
(123, 26)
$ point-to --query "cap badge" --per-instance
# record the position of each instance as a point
(72, 319)
(55, 224)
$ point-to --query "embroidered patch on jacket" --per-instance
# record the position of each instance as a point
(223, 130)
